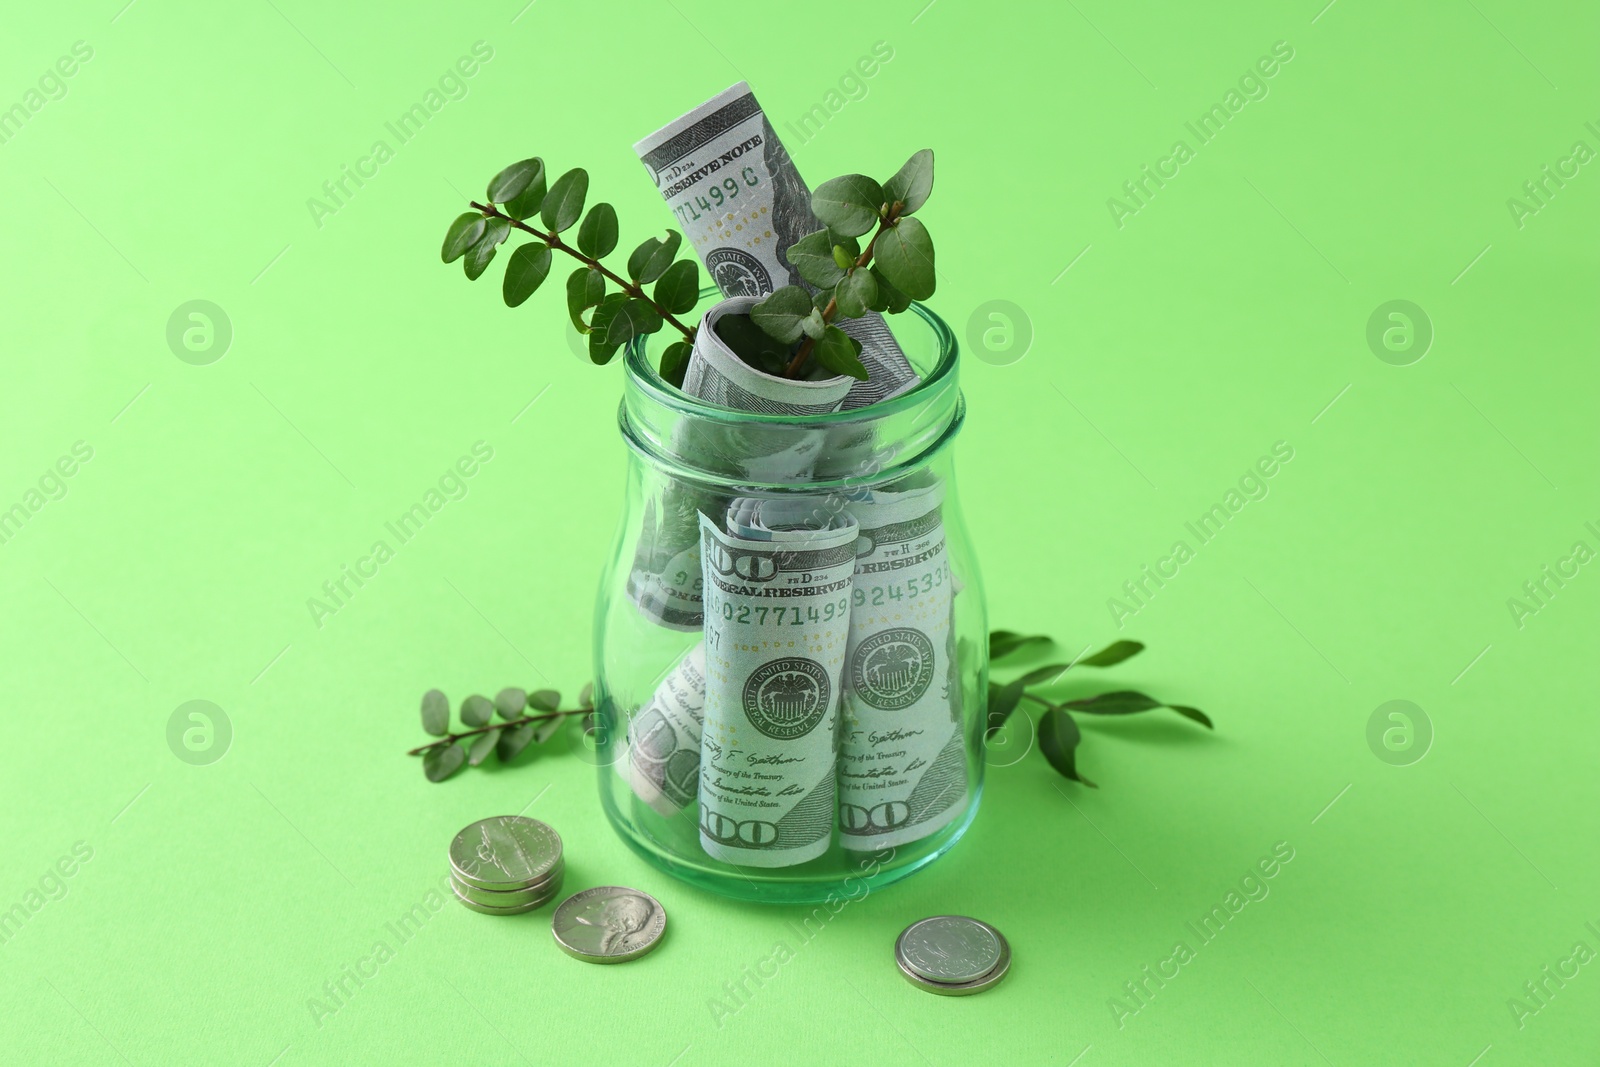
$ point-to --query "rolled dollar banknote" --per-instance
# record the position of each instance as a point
(664, 738)
(777, 625)
(902, 764)
(741, 203)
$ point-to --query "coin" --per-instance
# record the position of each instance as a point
(952, 955)
(536, 895)
(505, 852)
(608, 924)
(487, 909)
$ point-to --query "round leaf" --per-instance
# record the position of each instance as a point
(678, 289)
(513, 739)
(514, 180)
(462, 235)
(510, 701)
(904, 255)
(848, 204)
(529, 266)
(440, 763)
(482, 745)
(598, 234)
(781, 313)
(435, 713)
(527, 202)
(544, 700)
(912, 183)
(813, 257)
(476, 710)
(840, 353)
(856, 294)
(563, 204)
(891, 299)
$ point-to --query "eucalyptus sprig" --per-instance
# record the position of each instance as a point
(895, 268)
(517, 194)
(1057, 731)
(507, 738)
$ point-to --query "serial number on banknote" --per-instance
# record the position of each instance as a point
(717, 197)
(910, 589)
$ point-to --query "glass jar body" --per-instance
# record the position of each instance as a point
(791, 639)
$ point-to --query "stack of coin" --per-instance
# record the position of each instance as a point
(952, 955)
(506, 865)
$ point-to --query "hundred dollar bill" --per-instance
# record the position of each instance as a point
(777, 624)
(902, 762)
(664, 738)
(741, 202)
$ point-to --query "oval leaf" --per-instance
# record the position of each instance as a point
(652, 258)
(1058, 740)
(891, 299)
(813, 257)
(440, 763)
(526, 203)
(780, 313)
(476, 261)
(563, 204)
(840, 353)
(678, 289)
(476, 710)
(912, 183)
(529, 266)
(1002, 702)
(510, 701)
(544, 700)
(514, 180)
(586, 287)
(633, 318)
(462, 235)
(1112, 654)
(513, 739)
(598, 234)
(601, 345)
(848, 204)
(482, 745)
(1005, 642)
(586, 694)
(856, 294)
(674, 365)
(904, 254)
(435, 713)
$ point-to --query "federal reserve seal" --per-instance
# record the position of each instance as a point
(787, 697)
(892, 669)
(738, 273)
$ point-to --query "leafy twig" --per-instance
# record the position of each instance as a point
(507, 738)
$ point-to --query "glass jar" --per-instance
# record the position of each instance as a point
(790, 702)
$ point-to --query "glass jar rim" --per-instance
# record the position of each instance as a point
(647, 379)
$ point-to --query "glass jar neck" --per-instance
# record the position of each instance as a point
(695, 441)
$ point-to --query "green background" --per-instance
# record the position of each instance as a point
(1167, 354)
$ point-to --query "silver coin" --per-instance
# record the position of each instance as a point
(960, 989)
(951, 949)
(507, 898)
(608, 924)
(505, 852)
(486, 909)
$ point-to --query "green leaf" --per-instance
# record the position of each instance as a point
(586, 694)
(1044, 675)
(440, 763)
(1004, 642)
(842, 259)
(544, 700)
(848, 204)
(904, 255)
(813, 257)
(586, 287)
(476, 710)
(856, 294)
(601, 347)
(752, 344)
(482, 745)
(547, 729)
(527, 202)
(514, 180)
(563, 204)
(1002, 702)
(476, 261)
(529, 266)
(1112, 654)
(495, 231)
(598, 234)
(510, 701)
(814, 325)
(1128, 702)
(653, 256)
(513, 739)
(674, 364)
(633, 318)
(840, 353)
(462, 235)
(435, 713)
(1058, 740)
(781, 312)
(912, 183)
(678, 289)
(893, 300)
